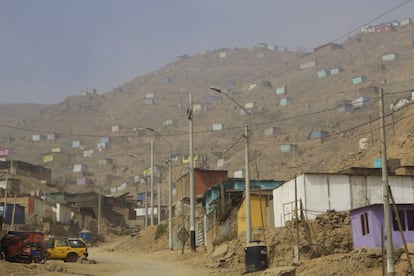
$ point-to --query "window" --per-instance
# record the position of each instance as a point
(401, 214)
(76, 243)
(62, 243)
(364, 224)
(410, 220)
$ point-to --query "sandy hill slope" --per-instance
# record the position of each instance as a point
(251, 77)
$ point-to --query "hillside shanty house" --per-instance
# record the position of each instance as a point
(11, 213)
(389, 57)
(224, 196)
(21, 168)
(399, 103)
(76, 144)
(57, 150)
(168, 122)
(288, 148)
(88, 153)
(359, 79)
(6, 152)
(216, 127)
(335, 71)
(55, 156)
(52, 136)
(318, 134)
(165, 80)
(320, 192)
(80, 168)
(13, 184)
(281, 90)
(307, 65)
(322, 73)
(203, 180)
(345, 106)
(37, 138)
(198, 160)
(367, 222)
(87, 205)
(361, 102)
(116, 128)
(37, 210)
(83, 181)
(260, 210)
(327, 47)
(272, 131)
(285, 101)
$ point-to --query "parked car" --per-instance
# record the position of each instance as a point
(23, 246)
(67, 249)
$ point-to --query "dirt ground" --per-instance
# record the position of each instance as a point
(325, 249)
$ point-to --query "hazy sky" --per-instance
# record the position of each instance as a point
(52, 49)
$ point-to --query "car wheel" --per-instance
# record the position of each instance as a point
(71, 257)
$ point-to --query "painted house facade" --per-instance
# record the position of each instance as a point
(272, 131)
(320, 192)
(367, 221)
(318, 134)
(288, 148)
(203, 180)
(281, 90)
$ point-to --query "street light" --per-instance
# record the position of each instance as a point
(170, 230)
(246, 159)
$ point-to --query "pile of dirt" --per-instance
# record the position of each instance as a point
(325, 246)
(151, 238)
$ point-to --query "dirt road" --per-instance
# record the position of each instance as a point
(112, 262)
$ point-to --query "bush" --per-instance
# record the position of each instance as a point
(160, 230)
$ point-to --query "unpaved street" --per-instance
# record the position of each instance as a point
(112, 262)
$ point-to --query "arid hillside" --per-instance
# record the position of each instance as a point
(289, 95)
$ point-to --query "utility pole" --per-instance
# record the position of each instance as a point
(99, 210)
(5, 201)
(159, 200)
(14, 213)
(296, 250)
(191, 167)
(246, 162)
(170, 224)
(247, 181)
(152, 181)
(386, 195)
(146, 202)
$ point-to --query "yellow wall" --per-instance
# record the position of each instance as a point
(256, 216)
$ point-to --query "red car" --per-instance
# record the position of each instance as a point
(23, 246)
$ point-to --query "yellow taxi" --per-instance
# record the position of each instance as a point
(67, 249)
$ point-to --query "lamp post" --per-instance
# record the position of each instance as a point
(247, 171)
(385, 186)
(170, 230)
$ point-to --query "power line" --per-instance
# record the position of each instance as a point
(180, 133)
(372, 20)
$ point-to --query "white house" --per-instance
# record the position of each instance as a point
(320, 192)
